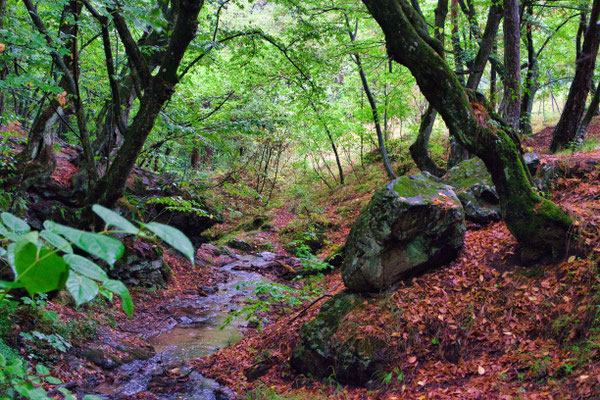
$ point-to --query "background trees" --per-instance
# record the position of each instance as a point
(264, 86)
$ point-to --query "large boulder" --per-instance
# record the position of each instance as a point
(475, 190)
(332, 345)
(411, 225)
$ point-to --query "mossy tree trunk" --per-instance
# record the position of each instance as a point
(537, 223)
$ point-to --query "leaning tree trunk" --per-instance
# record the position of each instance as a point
(538, 224)
(158, 90)
(587, 118)
(565, 131)
(419, 150)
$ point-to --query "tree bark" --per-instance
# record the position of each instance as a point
(538, 224)
(419, 150)
(159, 90)
(512, 63)
(531, 84)
(565, 131)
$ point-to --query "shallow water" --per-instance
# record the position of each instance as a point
(208, 333)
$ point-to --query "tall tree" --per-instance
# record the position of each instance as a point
(568, 125)
(158, 88)
(538, 224)
(512, 63)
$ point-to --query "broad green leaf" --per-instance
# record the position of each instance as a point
(15, 224)
(105, 247)
(173, 237)
(119, 288)
(114, 219)
(57, 241)
(85, 267)
(39, 273)
(81, 288)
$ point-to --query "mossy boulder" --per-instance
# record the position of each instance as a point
(329, 347)
(474, 187)
(411, 225)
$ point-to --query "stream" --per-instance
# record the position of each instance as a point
(192, 335)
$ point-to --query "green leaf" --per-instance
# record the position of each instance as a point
(105, 247)
(119, 288)
(39, 273)
(8, 234)
(106, 293)
(42, 370)
(53, 381)
(85, 267)
(81, 288)
(114, 219)
(15, 224)
(92, 397)
(57, 241)
(173, 237)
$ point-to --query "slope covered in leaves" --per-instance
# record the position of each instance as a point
(482, 327)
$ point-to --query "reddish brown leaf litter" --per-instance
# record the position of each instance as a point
(482, 327)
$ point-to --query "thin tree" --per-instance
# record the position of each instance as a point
(568, 125)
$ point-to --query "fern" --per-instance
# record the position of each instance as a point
(181, 205)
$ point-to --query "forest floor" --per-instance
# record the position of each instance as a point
(482, 327)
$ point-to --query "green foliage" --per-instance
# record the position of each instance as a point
(44, 261)
(181, 205)
(18, 379)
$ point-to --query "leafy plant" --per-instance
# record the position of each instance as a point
(17, 379)
(45, 261)
(181, 205)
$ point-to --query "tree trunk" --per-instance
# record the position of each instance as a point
(538, 224)
(488, 39)
(159, 90)
(531, 84)
(565, 131)
(587, 118)
(419, 150)
(459, 65)
(373, 105)
(512, 63)
(38, 155)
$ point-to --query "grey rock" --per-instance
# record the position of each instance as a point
(411, 225)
